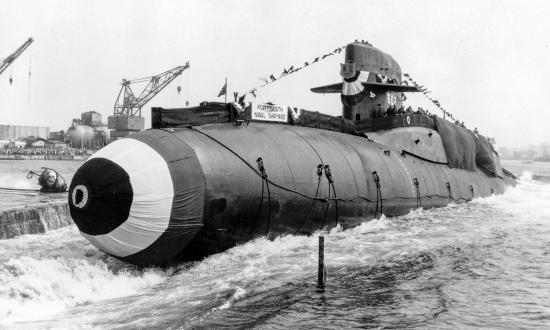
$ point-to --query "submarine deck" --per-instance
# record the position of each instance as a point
(215, 112)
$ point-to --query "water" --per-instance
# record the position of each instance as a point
(13, 175)
(483, 264)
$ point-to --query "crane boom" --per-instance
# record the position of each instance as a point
(128, 105)
(13, 56)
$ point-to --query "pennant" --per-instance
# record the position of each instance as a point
(253, 92)
(381, 79)
(353, 90)
(223, 91)
(235, 96)
(291, 69)
(350, 100)
(316, 60)
(306, 64)
(241, 100)
(272, 78)
(294, 113)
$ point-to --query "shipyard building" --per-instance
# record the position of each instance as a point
(14, 132)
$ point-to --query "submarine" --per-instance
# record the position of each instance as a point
(207, 178)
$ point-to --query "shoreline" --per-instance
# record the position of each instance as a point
(44, 157)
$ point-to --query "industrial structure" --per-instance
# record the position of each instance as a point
(13, 56)
(14, 132)
(126, 118)
(88, 132)
(91, 118)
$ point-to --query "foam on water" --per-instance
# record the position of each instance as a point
(41, 275)
(38, 288)
(481, 264)
(19, 182)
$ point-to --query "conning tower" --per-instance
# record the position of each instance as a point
(380, 75)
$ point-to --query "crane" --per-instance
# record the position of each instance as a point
(128, 105)
(13, 56)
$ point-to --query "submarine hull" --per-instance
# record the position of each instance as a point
(186, 193)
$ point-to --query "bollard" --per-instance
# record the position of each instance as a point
(321, 273)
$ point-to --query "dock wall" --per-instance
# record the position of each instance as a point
(34, 219)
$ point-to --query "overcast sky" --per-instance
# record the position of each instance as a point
(488, 62)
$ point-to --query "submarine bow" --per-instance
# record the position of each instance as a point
(139, 199)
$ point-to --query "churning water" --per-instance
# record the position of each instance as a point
(481, 264)
(13, 176)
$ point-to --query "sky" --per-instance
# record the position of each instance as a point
(487, 62)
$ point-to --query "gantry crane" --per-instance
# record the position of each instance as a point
(127, 104)
(13, 56)
(126, 117)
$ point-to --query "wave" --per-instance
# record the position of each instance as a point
(60, 277)
(47, 274)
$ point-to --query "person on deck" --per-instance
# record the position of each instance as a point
(379, 111)
(391, 111)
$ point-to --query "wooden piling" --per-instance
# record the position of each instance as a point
(321, 274)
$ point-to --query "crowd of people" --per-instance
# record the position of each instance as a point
(45, 152)
(393, 111)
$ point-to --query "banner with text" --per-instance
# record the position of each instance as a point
(269, 112)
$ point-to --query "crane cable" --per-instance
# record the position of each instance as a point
(319, 176)
(261, 168)
(11, 74)
(330, 180)
(29, 86)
